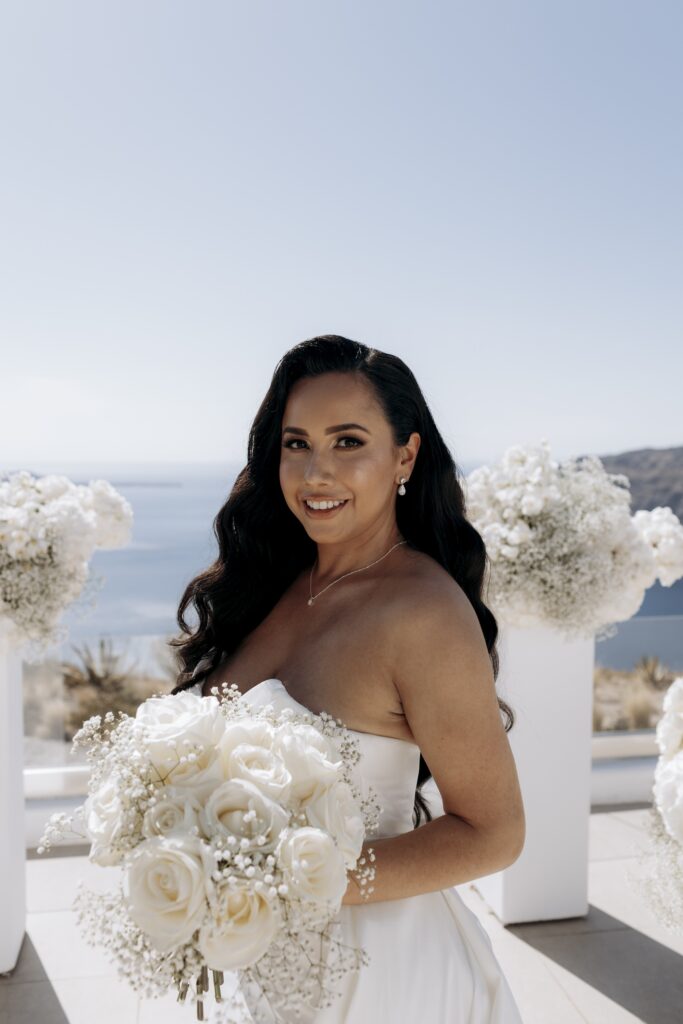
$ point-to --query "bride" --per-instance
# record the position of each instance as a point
(349, 581)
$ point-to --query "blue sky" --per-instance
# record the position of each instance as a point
(490, 190)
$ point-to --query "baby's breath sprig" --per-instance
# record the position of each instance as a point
(59, 827)
(657, 874)
(365, 873)
(300, 972)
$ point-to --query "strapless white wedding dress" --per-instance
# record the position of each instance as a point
(431, 960)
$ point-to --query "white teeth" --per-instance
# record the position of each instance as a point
(323, 504)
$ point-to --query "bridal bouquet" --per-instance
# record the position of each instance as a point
(564, 549)
(234, 828)
(49, 528)
(662, 882)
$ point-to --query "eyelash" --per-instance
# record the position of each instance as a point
(358, 444)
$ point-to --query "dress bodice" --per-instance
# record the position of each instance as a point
(388, 765)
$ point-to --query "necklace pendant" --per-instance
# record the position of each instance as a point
(310, 600)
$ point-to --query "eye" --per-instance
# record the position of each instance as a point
(357, 443)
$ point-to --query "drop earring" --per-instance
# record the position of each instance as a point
(402, 488)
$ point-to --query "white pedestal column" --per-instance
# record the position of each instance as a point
(548, 681)
(12, 823)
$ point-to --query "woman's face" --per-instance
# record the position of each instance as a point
(322, 459)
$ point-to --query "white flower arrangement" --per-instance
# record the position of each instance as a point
(662, 881)
(235, 828)
(563, 547)
(49, 528)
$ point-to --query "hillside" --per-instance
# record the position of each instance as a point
(656, 476)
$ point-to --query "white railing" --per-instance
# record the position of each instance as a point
(631, 743)
(50, 783)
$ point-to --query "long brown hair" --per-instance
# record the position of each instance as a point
(262, 547)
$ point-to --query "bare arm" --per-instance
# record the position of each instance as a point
(443, 852)
(443, 673)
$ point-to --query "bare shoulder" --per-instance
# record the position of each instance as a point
(435, 633)
(422, 596)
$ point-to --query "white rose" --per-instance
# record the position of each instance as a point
(247, 752)
(239, 808)
(183, 724)
(200, 775)
(255, 731)
(312, 865)
(668, 794)
(51, 486)
(114, 514)
(336, 810)
(165, 887)
(669, 731)
(311, 759)
(242, 925)
(174, 811)
(103, 819)
(262, 767)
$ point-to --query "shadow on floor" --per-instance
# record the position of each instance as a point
(626, 966)
(26, 994)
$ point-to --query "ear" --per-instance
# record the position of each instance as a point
(408, 454)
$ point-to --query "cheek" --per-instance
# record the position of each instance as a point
(367, 469)
(366, 480)
(290, 481)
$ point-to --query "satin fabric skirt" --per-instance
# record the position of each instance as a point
(431, 962)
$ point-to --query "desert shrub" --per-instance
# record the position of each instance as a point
(60, 695)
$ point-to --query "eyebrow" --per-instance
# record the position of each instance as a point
(328, 430)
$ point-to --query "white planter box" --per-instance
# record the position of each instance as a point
(12, 832)
(548, 681)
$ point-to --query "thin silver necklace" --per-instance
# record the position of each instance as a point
(310, 579)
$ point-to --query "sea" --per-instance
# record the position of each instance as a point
(174, 505)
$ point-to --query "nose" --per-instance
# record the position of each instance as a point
(315, 469)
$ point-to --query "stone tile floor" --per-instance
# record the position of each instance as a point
(617, 965)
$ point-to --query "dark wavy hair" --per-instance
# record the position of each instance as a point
(262, 546)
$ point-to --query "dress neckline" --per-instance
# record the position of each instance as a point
(357, 732)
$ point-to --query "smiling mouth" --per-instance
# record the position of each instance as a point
(325, 511)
